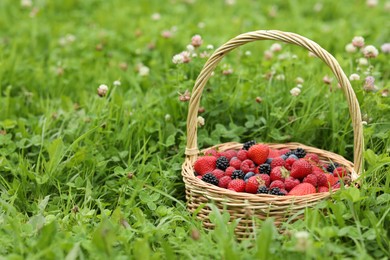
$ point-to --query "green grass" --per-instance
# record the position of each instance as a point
(85, 177)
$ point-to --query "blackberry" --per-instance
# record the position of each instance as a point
(263, 190)
(248, 144)
(238, 174)
(265, 168)
(210, 178)
(222, 163)
(332, 166)
(299, 152)
(276, 191)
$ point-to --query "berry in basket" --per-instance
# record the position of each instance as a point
(291, 172)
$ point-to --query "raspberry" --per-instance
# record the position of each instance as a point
(262, 190)
(273, 153)
(312, 179)
(265, 168)
(277, 184)
(229, 171)
(312, 157)
(222, 163)
(289, 162)
(290, 183)
(238, 174)
(236, 163)
(340, 172)
(247, 166)
(323, 189)
(284, 151)
(218, 173)
(322, 180)
(248, 144)
(237, 185)
(210, 178)
(278, 161)
(242, 155)
(229, 154)
(224, 181)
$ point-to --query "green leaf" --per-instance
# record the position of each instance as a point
(264, 240)
(47, 234)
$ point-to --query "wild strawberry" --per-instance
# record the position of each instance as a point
(247, 166)
(211, 152)
(229, 171)
(277, 184)
(237, 185)
(340, 172)
(224, 181)
(323, 189)
(312, 157)
(300, 169)
(284, 151)
(311, 178)
(242, 155)
(273, 153)
(278, 173)
(205, 164)
(252, 184)
(235, 162)
(322, 180)
(277, 161)
(289, 162)
(258, 153)
(218, 173)
(290, 183)
(229, 154)
(302, 189)
(265, 178)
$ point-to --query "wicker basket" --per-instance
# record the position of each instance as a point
(245, 206)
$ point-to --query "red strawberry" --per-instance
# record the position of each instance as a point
(278, 173)
(218, 173)
(235, 162)
(224, 181)
(252, 184)
(273, 153)
(323, 189)
(242, 155)
(205, 164)
(290, 183)
(289, 162)
(258, 153)
(278, 161)
(211, 152)
(302, 189)
(300, 169)
(331, 180)
(247, 166)
(283, 151)
(229, 171)
(311, 178)
(265, 178)
(312, 157)
(277, 184)
(229, 154)
(237, 185)
(340, 172)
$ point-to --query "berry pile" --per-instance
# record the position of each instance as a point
(257, 168)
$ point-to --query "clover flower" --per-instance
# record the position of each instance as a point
(116, 83)
(385, 47)
(350, 48)
(295, 91)
(370, 51)
(369, 84)
(102, 90)
(276, 47)
(200, 121)
(358, 41)
(196, 40)
(354, 76)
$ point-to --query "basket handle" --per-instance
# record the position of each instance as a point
(287, 37)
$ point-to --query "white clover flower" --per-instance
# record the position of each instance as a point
(186, 56)
(317, 7)
(210, 47)
(268, 55)
(303, 242)
(276, 47)
(230, 2)
(26, 3)
(70, 38)
(280, 77)
(177, 59)
(299, 80)
(143, 71)
(369, 84)
(167, 117)
(248, 53)
(117, 83)
(200, 121)
(363, 61)
(166, 34)
(327, 80)
(350, 48)
(196, 40)
(385, 47)
(354, 76)
(190, 48)
(370, 51)
(358, 41)
(295, 91)
(102, 90)
(372, 3)
(299, 86)
(156, 16)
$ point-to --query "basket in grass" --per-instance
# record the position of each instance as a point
(244, 206)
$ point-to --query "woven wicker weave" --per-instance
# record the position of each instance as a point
(245, 206)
